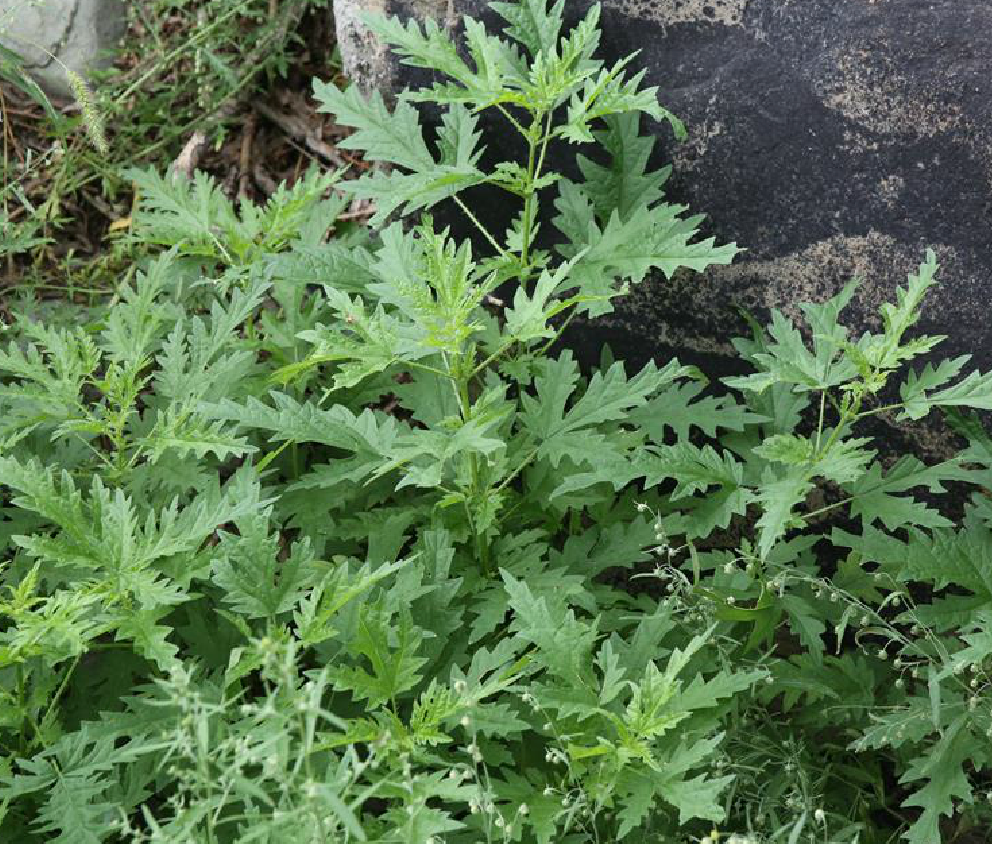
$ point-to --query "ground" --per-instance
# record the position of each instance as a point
(236, 106)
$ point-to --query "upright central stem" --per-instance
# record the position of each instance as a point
(529, 202)
(538, 137)
(461, 371)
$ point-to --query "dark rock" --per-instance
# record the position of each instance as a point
(830, 138)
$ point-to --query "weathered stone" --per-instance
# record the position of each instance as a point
(831, 138)
(50, 34)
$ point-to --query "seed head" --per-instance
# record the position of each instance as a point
(92, 119)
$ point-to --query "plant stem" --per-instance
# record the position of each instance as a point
(545, 140)
(828, 507)
(529, 199)
(819, 426)
(460, 381)
(883, 409)
(480, 227)
(535, 163)
(512, 119)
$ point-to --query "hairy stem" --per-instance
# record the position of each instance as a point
(529, 199)
(475, 221)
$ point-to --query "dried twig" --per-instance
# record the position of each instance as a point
(187, 160)
(299, 130)
(244, 160)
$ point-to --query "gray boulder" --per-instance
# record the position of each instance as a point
(831, 138)
(48, 34)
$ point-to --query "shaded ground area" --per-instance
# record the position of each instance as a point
(217, 86)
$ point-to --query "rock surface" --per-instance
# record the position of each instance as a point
(831, 138)
(77, 33)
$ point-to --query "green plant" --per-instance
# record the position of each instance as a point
(312, 539)
(181, 69)
(843, 551)
(412, 639)
(17, 236)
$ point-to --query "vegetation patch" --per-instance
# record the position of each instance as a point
(312, 539)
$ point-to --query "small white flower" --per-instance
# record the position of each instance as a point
(460, 687)
(820, 816)
(465, 721)
(729, 568)
(641, 507)
(523, 809)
